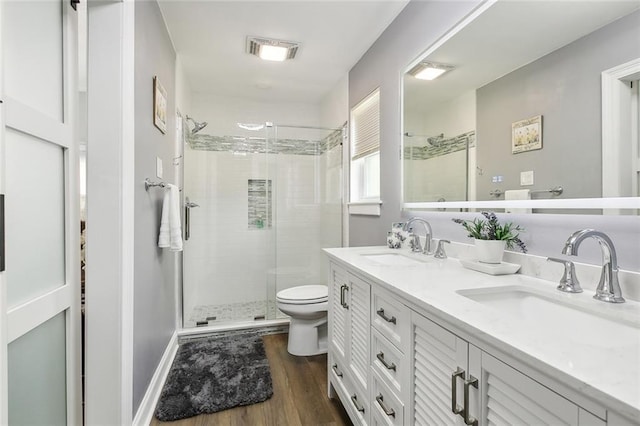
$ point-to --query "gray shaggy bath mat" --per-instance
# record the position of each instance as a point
(212, 375)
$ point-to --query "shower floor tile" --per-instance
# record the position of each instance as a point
(234, 312)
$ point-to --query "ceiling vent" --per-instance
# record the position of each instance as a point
(272, 50)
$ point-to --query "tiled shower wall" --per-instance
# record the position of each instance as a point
(226, 260)
(438, 173)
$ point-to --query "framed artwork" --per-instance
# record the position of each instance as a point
(159, 106)
(526, 135)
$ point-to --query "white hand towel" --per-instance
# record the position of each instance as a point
(170, 227)
(517, 194)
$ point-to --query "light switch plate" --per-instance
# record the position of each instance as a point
(526, 178)
(159, 167)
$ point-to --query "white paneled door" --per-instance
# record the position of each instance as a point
(39, 285)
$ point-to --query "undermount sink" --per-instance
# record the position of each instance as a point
(585, 320)
(393, 259)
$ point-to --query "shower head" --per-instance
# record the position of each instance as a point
(435, 141)
(196, 126)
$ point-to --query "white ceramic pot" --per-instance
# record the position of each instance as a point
(490, 251)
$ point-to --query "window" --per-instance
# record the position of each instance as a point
(365, 151)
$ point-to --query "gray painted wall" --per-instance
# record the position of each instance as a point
(564, 87)
(417, 27)
(154, 297)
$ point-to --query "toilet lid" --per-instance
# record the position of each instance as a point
(304, 294)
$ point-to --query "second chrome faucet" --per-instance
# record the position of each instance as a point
(608, 289)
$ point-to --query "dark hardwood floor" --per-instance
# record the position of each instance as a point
(299, 395)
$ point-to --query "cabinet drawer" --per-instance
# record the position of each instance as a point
(391, 318)
(388, 362)
(353, 400)
(385, 403)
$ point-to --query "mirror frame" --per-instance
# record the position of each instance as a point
(605, 203)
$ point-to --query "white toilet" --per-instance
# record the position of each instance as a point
(307, 306)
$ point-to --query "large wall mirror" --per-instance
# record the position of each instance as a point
(535, 107)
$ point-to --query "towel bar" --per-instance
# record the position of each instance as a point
(149, 183)
(555, 191)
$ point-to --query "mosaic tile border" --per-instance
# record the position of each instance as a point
(258, 145)
(447, 146)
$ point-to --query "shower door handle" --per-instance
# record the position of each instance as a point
(188, 205)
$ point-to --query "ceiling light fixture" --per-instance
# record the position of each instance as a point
(272, 50)
(429, 70)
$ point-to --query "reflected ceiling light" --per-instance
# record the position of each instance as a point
(249, 126)
(429, 70)
(272, 50)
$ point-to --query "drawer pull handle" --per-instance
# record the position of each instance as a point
(388, 411)
(468, 420)
(343, 298)
(338, 372)
(455, 408)
(356, 404)
(391, 366)
(380, 313)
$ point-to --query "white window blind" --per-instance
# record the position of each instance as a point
(365, 119)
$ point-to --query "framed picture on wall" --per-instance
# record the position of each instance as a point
(526, 135)
(159, 106)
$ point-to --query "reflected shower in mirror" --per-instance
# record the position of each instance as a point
(520, 109)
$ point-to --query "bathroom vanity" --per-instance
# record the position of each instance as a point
(415, 340)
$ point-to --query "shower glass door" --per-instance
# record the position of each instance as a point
(308, 205)
(230, 246)
(269, 200)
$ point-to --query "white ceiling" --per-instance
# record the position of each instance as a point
(507, 36)
(209, 36)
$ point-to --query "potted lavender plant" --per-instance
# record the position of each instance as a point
(491, 237)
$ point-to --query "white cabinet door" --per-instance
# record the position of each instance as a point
(349, 337)
(438, 367)
(359, 331)
(338, 310)
(508, 397)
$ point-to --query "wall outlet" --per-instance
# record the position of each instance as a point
(526, 178)
(159, 167)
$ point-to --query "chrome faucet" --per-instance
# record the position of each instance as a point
(609, 287)
(428, 234)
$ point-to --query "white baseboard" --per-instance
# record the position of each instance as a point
(148, 405)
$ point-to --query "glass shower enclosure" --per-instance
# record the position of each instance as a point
(269, 198)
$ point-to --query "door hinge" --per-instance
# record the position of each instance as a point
(74, 4)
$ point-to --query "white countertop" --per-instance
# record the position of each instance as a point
(604, 366)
